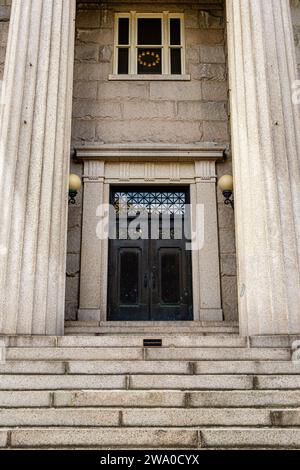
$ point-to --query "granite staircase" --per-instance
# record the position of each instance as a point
(190, 390)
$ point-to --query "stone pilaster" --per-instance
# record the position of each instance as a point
(266, 157)
(34, 166)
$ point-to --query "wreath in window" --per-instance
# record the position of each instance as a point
(149, 59)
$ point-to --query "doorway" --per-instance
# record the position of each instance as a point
(149, 264)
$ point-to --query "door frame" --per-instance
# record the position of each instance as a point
(109, 165)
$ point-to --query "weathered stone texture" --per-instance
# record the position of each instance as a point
(296, 23)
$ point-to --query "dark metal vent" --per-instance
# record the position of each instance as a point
(152, 343)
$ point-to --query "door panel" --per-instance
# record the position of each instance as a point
(150, 279)
(128, 281)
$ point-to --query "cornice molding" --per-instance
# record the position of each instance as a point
(151, 152)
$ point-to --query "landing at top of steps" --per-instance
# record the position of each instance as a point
(108, 327)
(168, 340)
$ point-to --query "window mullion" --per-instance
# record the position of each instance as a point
(165, 43)
(133, 42)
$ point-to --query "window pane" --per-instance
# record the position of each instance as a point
(149, 31)
(129, 277)
(175, 32)
(170, 278)
(123, 30)
(175, 61)
(149, 61)
(123, 55)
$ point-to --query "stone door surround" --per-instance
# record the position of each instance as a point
(149, 164)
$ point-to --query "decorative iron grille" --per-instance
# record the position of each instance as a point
(134, 203)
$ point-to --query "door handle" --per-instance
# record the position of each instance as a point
(145, 280)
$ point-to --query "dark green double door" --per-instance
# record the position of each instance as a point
(150, 277)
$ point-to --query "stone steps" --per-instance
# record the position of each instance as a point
(149, 382)
(51, 367)
(149, 398)
(145, 417)
(91, 327)
(151, 354)
(108, 391)
(153, 438)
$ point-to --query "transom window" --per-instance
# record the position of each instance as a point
(149, 44)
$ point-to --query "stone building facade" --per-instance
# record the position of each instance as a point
(108, 112)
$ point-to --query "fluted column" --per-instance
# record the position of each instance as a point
(266, 156)
(34, 166)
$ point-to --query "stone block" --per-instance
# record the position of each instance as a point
(247, 438)
(111, 437)
(58, 417)
(83, 130)
(277, 382)
(88, 18)
(32, 341)
(216, 131)
(194, 354)
(212, 54)
(4, 13)
(283, 418)
(121, 398)
(195, 418)
(197, 111)
(246, 367)
(71, 310)
(211, 19)
(149, 131)
(4, 26)
(73, 265)
(227, 241)
(149, 110)
(214, 91)
(172, 340)
(90, 109)
(186, 91)
(57, 382)
(90, 72)
(3, 438)
(204, 36)
(243, 398)
(79, 354)
(72, 288)
(122, 90)
(228, 265)
(87, 52)
(192, 54)
(74, 239)
(127, 367)
(98, 36)
(24, 399)
(213, 382)
(207, 72)
(85, 89)
(35, 367)
(106, 53)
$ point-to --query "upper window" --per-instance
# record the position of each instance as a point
(149, 44)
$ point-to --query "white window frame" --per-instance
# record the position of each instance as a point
(133, 17)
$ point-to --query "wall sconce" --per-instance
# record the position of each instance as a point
(74, 187)
(226, 185)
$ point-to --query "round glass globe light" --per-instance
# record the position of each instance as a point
(74, 182)
(226, 183)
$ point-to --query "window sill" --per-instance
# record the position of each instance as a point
(182, 78)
